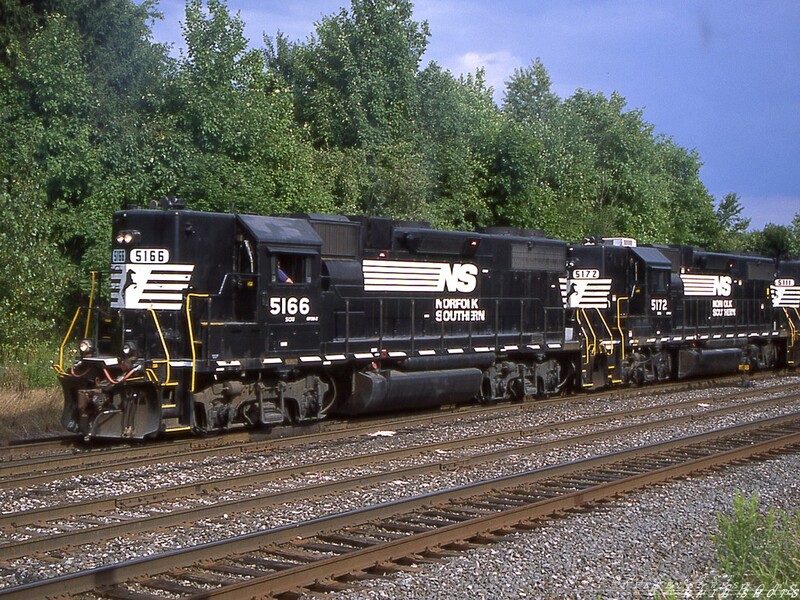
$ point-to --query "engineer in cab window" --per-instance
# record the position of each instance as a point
(281, 274)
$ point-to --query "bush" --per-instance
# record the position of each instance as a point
(29, 368)
(758, 554)
(756, 548)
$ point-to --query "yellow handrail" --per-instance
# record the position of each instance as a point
(91, 305)
(605, 324)
(619, 324)
(164, 346)
(66, 338)
(191, 331)
(792, 328)
(594, 335)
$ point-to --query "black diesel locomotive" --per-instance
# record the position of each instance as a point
(218, 320)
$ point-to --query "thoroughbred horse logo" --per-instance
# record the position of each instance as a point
(129, 281)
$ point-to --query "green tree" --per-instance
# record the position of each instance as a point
(774, 240)
(689, 208)
(528, 94)
(794, 245)
(354, 81)
(70, 93)
(458, 123)
(733, 226)
(242, 144)
(354, 85)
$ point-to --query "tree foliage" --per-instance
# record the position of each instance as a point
(97, 117)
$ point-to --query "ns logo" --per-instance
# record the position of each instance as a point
(418, 276)
(460, 278)
(707, 285)
(722, 285)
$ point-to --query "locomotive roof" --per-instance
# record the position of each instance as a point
(280, 231)
(652, 256)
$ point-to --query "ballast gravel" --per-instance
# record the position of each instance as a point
(152, 477)
(553, 564)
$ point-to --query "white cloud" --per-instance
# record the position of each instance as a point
(498, 67)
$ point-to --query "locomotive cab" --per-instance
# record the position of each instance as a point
(288, 290)
(620, 296)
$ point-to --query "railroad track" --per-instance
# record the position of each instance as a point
(102, 519)
(97, 524)
(319, 554)
(70, 460)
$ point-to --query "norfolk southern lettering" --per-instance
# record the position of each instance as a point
(460, 310)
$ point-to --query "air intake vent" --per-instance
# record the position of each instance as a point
(339, 240)
(534, 257)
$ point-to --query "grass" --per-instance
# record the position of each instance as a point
(759, 548)
(758, 555)
(30, 400)
(29, 413)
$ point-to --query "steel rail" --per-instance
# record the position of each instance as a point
(18, 473)
(30, 452)
(294, 579)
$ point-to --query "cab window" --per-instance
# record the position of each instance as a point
(290, 269)
(659, 280)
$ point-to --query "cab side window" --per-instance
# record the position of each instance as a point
(659, 279)
(290, 268)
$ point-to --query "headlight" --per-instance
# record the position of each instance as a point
(126, 237)
(86, 347)
(129, 350)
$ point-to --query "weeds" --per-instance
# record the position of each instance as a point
(757, 548)
(758, 554)
(28, 369)
(30, 403)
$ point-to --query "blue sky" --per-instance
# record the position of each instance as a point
(718, 76)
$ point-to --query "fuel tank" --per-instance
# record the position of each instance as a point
(391, 390)
(697, 362)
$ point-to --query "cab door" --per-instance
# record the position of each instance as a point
(660, 303)
(290, 299)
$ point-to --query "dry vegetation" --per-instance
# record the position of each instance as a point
(29, 413)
